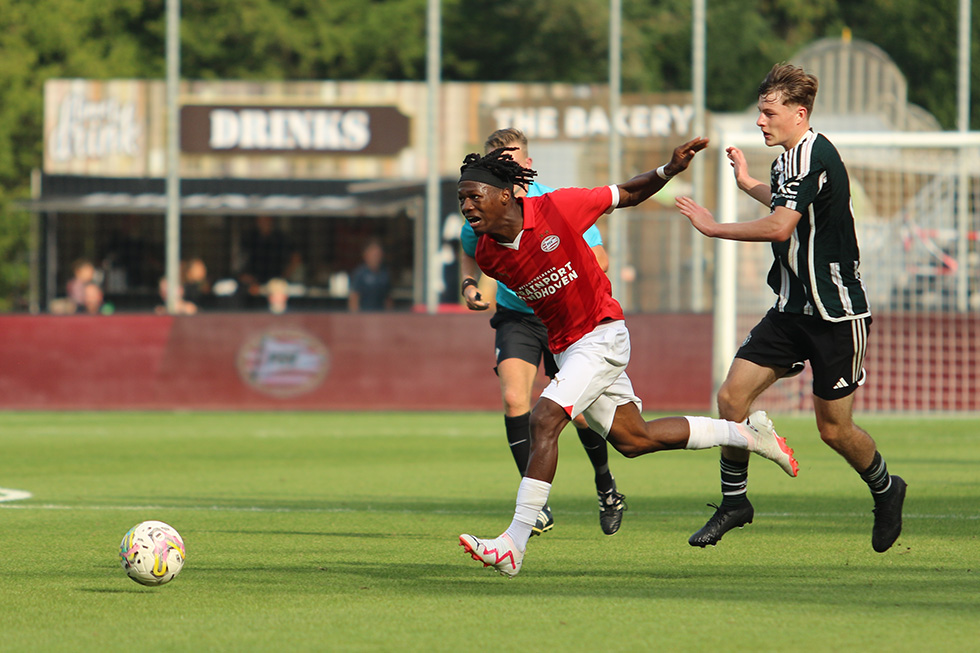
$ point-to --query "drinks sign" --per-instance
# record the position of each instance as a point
(297, 130)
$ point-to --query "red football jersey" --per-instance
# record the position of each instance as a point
(552, 268)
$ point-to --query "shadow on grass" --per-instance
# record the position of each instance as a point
(856, 587)
(925, 502)
(336, 534)
(860, 586)
(105, 590)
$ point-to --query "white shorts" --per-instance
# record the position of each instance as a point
(591, 379)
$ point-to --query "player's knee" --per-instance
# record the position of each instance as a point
(516, 402)
(834, 434)
(731, 406)
(547, 423)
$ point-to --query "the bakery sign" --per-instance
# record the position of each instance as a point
(239, 129)
(641, 116)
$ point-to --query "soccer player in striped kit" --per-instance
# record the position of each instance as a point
(821, 312)
(535, 246)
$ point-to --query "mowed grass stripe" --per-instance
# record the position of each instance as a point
(410, 511)
(337, 531)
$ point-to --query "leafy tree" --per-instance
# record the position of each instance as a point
(922, 39)
(41, 40)
(527, 41)
(505, 40)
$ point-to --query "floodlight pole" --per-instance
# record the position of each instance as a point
(617, 240)
(432, 195)
(698, 58)
(173, 156)
(963, 176)
(963, 82)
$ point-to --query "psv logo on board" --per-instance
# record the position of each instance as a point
(283, 362)
(550, 243)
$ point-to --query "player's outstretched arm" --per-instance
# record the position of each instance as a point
(752, 186)
(774, 228)
(643, 186)
(700, 217)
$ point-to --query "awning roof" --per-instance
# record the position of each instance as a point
(330, 198)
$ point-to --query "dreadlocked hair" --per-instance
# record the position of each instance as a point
(501, 164)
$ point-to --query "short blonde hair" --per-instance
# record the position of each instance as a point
(506, 137)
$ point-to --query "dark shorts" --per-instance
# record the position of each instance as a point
(523, 336)
(835, 349)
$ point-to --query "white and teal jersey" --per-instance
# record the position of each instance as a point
(505, 296)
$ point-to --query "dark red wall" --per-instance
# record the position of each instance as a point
(411, 361)
(395, 361)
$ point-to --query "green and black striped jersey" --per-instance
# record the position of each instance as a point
(816, 270)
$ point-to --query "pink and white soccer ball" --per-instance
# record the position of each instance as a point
(152, 553)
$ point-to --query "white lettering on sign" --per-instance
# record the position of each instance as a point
(94, 129)
(289, 129)
(580, 122)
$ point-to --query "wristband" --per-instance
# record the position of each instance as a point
(662, 172)
(467, 282)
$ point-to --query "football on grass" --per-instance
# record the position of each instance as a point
(152, 553)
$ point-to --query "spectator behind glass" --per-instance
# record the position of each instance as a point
(277, 290)
(83, 273)
(370, 284)
(183, 307)
(194, 276)
(128, 254)
(92, 300)
(268, 254)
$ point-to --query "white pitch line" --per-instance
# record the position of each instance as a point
(260, 509)
(7, 494)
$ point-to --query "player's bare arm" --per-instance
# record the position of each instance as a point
(643, 186)
(471, 292)
(752, 186)
(774, 228)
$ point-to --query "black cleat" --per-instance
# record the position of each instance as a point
(544, 523)
(888, 516)
(724, 520)
(612, 504)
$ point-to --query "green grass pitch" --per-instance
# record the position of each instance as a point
(338, 531)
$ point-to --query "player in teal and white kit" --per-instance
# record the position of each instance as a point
(521, 344)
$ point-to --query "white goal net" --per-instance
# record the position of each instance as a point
(916, 203)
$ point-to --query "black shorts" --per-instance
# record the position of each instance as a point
(523, 336)
(835, 349)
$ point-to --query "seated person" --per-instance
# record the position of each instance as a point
(370, 283)
(83, 273)
(184, 307)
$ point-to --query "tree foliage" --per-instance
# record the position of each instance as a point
(505, 40)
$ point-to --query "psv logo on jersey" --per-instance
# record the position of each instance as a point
(550, 243)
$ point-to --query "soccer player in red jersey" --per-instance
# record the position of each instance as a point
(535, 246)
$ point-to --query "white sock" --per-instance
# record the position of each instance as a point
(531, 497)
(707, 432)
